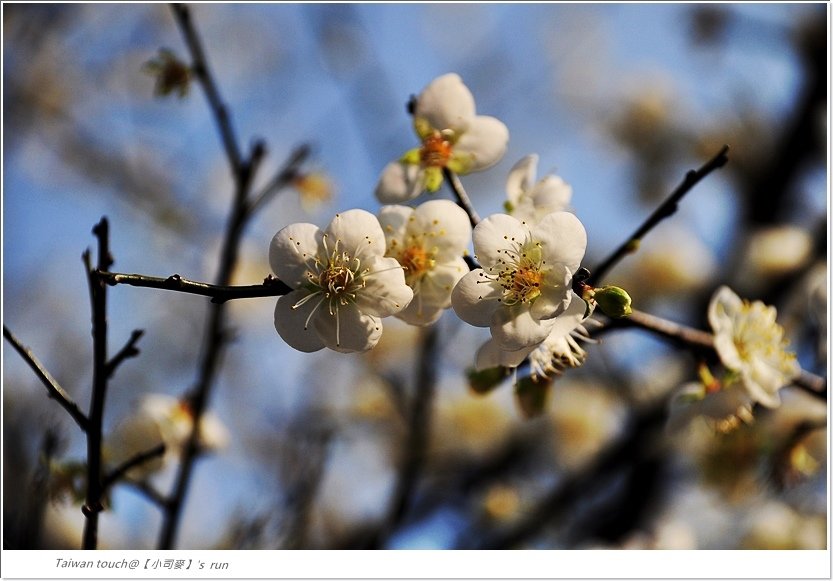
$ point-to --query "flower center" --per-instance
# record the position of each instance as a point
(435, 151)
(335, 279)
(416, 261)
(521, 274)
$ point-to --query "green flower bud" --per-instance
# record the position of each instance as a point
(614, 302)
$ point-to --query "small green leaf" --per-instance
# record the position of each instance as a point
(482, 382)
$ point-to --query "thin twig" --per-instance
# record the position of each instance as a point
(216, 334)
(199, 65)
(129, 350)
(285, 177)
(131, 463)
(271, 286)
(462, 197)
(98, 298)
(56, 392)
(666, 209)
(149, 492)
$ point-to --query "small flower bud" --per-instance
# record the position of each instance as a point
(613, 301)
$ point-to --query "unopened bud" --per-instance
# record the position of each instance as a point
(614, 302)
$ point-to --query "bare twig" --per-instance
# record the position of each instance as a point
(129, 350)
(666, 209)
(98, 298)
(56, 392)
(199, 66)
(219, 293)
(462, 197)
(130, 463)
(284, 178)
(216, 335)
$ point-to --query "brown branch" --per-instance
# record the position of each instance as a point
(98, 298)
(666, 209)
(129, 350)
(219, 293)
(216, 334)
(284, 178)
(463, 199)
(199, 65)
(56, 392)
(130, 463)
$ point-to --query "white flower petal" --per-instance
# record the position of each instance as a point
(348, 330)
(556, 294)
(356, 232)
(514, 328)
(491, 355)
(420, 313)
(437, 284)
(495, 234)
(446, 103)
(475, 298)
(563, 239)
(292, 252)
(394, 221)
(290, 322)
(484, 142)
(521, 177)
(399, 183)
(551, 194)
(385, 292)
(722, 308)
(444, 226)
(571, 318)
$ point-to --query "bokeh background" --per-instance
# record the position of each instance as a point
(619, 100)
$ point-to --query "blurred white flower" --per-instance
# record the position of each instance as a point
(525, 280)
(777, 250)
(429, 242)
(750, 343)
(529, 200)
(722, 410)
(161, 419)
(452, 136)
(344, 284)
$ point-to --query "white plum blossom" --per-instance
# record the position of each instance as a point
(751, 344)
(429, 243)
(343, 283)
(453, 136)
(525, 280)
(529, 200)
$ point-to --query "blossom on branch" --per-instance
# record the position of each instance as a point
(344, 284)
(525, 280)
(429, 243)
(453, 136)
(529, 200)
(752, 345)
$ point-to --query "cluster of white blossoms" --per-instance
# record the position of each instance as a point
(409, 262)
